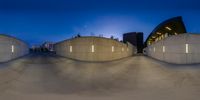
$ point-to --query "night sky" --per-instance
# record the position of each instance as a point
(37, 21)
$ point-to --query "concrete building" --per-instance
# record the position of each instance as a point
(178, 49)
(11, 48)
(94, 49)
(136, 39)
(171, 43)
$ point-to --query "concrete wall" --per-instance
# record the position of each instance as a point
(82, 49)
(176, 49)
(7, 43)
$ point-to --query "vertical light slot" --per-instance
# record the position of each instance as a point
(186, 48)
(154, 49)
(70, 48)
(113, 48)
(13, 48)
(163, 48)
(92, 48)
(122, 49)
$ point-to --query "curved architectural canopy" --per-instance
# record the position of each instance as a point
(173, 26)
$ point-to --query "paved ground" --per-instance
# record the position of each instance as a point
(46, 77)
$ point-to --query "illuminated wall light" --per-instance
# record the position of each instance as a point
(163, 48)
(13, 48)
(159, 33)
(154, 49)
(113, 48)
(153, 37)
(168, 28)
(186, 48)
(92, 48)
(70, 48)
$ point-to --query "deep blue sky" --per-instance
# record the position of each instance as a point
(37, 21)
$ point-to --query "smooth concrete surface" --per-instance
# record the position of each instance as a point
(174, 50)
(11, 48)
(46, 77)
(81, 49)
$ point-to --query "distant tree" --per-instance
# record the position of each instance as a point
(112, 37)
(46, 50)
(100, 35)
(78, 35)
(42, 49)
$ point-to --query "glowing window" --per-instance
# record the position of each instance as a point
(159, 33)
(186, 48)
(70, 48)
(113, 48)
(163, 48)
(166, 35)
(92, 48)
(13, 48)
(156, 39)
(168, 28)
(162, 36)
(149, 43)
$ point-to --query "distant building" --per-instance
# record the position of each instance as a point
(136, 39)
(48, 45)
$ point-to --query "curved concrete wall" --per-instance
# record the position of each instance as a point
(178, 49)
(94, 49)
(11, 48)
